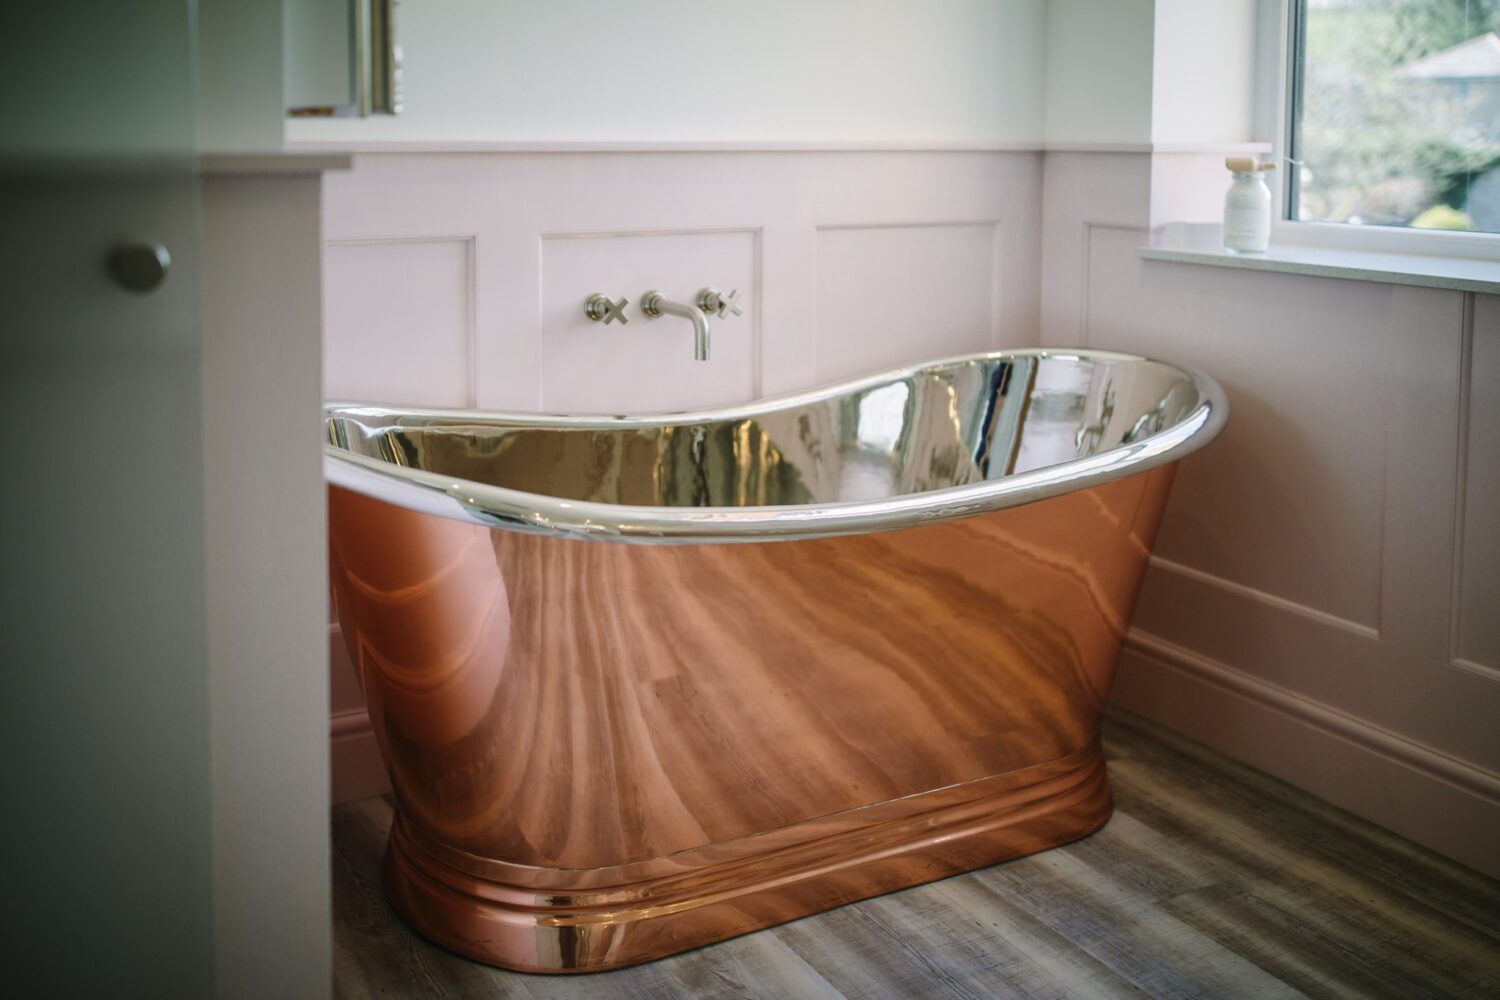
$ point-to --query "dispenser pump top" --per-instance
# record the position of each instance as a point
(1246, 164)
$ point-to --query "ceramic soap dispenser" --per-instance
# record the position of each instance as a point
(1247, 206)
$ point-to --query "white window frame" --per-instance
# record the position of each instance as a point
(1274, 116)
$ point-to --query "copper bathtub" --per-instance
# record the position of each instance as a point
(646, 683)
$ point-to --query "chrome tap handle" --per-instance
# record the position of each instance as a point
(598, 307)
(711, 300)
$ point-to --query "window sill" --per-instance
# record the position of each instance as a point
(1455, 273)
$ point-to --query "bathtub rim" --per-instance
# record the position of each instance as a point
(517, 510)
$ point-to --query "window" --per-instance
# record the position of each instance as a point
(1395, 113)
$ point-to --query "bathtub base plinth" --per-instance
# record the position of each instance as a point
(590, 920)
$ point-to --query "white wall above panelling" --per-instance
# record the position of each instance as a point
(998, 74)
(1203, 71)
(1098, 71)
(885, 292)
(398, 320)
(689, 70)
(1168, 72)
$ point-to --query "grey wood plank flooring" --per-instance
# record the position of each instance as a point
(1212, 880)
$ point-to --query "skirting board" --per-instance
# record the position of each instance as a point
(1438, 801)
(355, 769)
(354, 759)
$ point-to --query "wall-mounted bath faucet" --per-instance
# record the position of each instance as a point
(599, 308)
(710, 302)
(653, 304)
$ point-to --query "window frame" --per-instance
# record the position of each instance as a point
(1278, 89)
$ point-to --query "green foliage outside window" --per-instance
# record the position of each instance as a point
(1383, 137)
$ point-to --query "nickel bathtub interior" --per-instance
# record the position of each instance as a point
(616, 731)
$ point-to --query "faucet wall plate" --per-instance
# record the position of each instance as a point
(599, 308)
(651, 303)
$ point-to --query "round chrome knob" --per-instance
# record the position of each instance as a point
(139, 267)
(599, 308)
(711, 300)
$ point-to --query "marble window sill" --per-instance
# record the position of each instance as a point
(1455, 273)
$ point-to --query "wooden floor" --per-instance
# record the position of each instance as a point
(1211, 880)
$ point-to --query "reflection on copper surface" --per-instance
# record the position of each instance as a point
(607, 753)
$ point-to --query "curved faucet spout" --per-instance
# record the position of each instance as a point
(653, 304)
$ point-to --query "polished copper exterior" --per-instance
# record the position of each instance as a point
(606, 753)
(647, 682)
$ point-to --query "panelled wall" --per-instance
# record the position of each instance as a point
(1324, 602)
(459, 280)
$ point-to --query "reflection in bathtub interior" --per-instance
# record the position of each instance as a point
(958, 424)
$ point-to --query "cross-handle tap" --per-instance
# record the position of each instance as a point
(599, 308)
(711, 300)
(653, 304)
